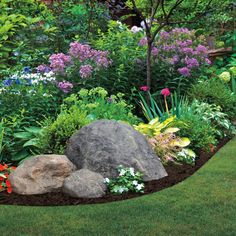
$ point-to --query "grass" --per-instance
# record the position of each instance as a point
(204, 204)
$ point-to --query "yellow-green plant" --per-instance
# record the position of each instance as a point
(167, 145)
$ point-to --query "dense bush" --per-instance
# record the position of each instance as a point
(214, 91)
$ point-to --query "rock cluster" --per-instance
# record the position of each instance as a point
(96, 151)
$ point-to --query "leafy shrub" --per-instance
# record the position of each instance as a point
(215, 92)
(199, 131)
(127, 181)
(78, 19)
(213, 114)
(21, 31)
(98, 105)
(56, 133)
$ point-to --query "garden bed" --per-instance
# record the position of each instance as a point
(176, 174)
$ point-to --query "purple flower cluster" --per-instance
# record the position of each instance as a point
(182, 49)
(184, 71)
(81, 58)
(65, 86)
(191, 62)
(59, 61)
(84, 52)
(85, 71)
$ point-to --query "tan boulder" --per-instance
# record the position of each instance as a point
(41, 174)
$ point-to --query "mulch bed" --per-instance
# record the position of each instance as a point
(176, 174)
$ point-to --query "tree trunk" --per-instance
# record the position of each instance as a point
(149, 51)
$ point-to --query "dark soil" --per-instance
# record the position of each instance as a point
(176, 174)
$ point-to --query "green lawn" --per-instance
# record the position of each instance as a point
(204, 204)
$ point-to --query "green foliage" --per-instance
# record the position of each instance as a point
(98, 105)
(128, 60)
(199, 131)
(213, 113)
(56, 133)
(127, 181)
(214, 91)
(20, 29)
(29, 141)
(77, 19)
(156, 109)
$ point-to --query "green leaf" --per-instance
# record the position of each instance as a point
(23, 135)
(20, 155)
(31, 142)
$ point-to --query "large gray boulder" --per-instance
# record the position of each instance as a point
(41, 174)
(84, 184)
(105, 144)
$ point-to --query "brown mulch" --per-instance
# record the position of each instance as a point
(176, 174)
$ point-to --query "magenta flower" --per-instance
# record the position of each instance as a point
(65, 86)
(86, 71)
(165, 92)
(144, 88)
(184, 71)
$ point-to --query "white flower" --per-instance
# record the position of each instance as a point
(131, 169)
(121, 190)
(135, 29)
(135, 182)
(122, 172)
(106, 180)
(139, 186)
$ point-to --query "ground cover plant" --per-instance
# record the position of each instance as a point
(66, 65)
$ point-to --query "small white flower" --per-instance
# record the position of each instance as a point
(121, 190)
(135, 182)
(122, 172)
(106, 180)
(139, 186)
(135, 29)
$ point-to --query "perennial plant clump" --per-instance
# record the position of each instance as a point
(127, 181)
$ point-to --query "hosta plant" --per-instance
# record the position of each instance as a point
(171, 148)
(5, 184)
(167, 145)
(127, 181)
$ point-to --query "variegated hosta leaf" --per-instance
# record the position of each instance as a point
(181, 142)
(190, 152)
(171, 130)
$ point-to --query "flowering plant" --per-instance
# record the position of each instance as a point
(127, 181)
(81, 61)
(5, 184)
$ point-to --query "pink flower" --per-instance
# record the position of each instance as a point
(165, 92)
(144, 88)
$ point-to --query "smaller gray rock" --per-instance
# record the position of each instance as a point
(84, 183)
